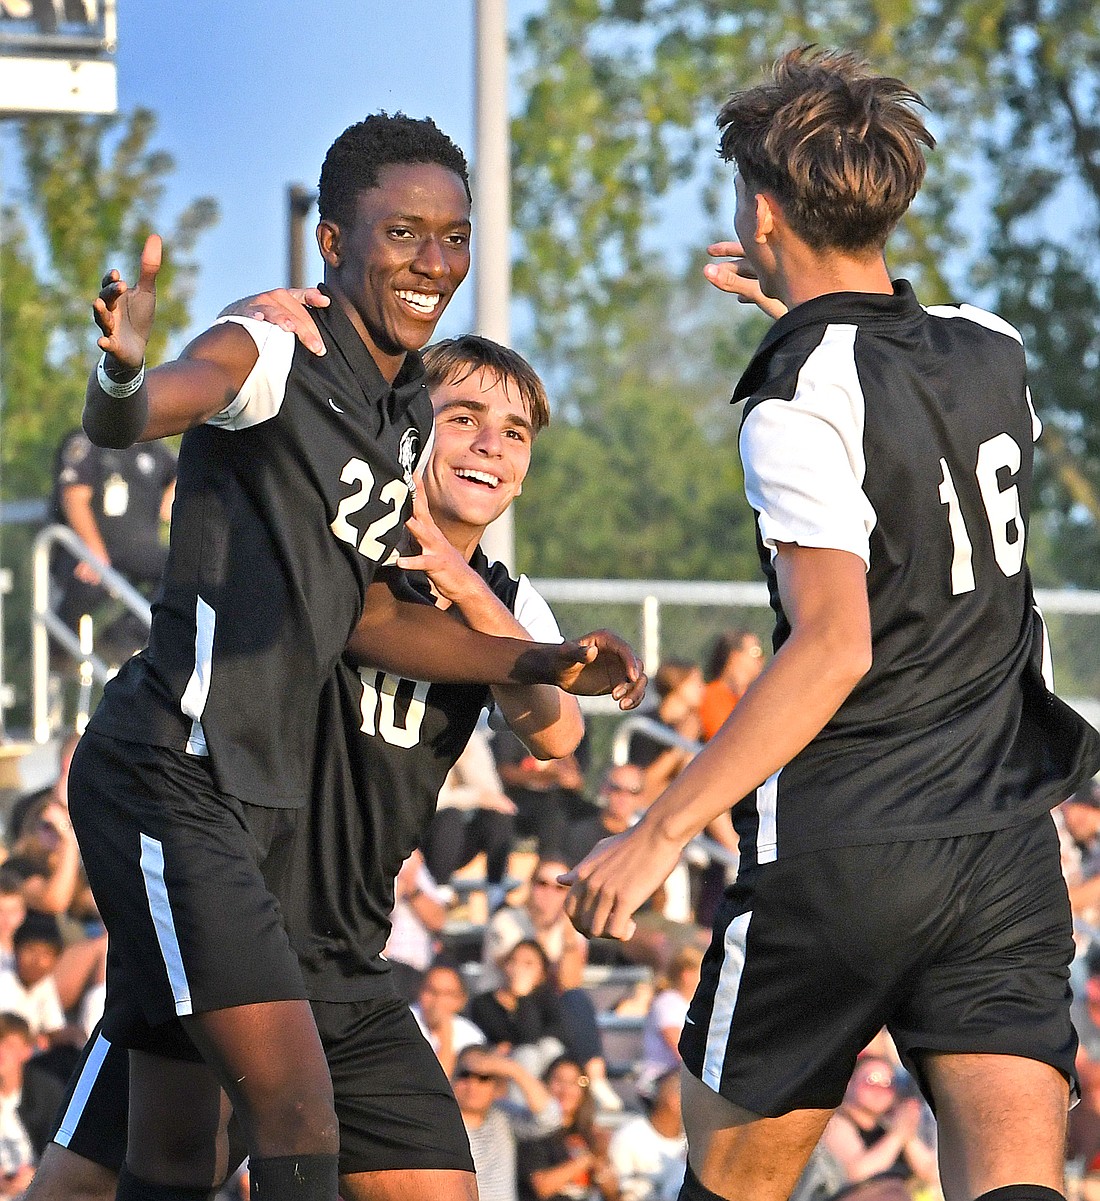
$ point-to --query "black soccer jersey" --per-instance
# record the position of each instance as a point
(384, 748)
(286, 504)
(904, 436)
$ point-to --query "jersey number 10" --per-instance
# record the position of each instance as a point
(378, 707)
(1002, 510)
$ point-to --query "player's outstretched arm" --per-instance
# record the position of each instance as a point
(545, 719)
(403, 634)
(121, 404)
(286, 308)
(824, 594)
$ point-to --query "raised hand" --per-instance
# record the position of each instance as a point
(286, 308)
(739, 278)
(125, 314)
(450, 575)
(605, 664)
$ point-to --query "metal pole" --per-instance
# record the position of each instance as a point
(299, 201)
(493, 212)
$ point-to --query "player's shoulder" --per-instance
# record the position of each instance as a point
(973, 315)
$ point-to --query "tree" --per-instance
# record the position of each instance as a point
(616, 128)
(92, 190)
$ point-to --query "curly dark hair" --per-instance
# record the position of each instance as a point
(352, 163)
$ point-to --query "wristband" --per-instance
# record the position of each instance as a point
(114, 389)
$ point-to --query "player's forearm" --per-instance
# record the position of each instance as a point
(115, 421)
(799, 691)
(421, 642)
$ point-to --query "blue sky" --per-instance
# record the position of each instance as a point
(249, 95)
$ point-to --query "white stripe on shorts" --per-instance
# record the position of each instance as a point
(89, 1073)
(152, 868)
(725, 999)
(767, 806)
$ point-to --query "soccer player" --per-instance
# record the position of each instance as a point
(295, 478)
(898, 756)
(384, 747)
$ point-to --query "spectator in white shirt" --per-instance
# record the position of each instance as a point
(438, 1011)
(30, 989)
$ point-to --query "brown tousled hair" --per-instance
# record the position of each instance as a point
(839, 147)
(453, 359)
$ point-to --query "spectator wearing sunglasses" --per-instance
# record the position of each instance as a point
(876, 1131)
(481, 1083)
(619, 800)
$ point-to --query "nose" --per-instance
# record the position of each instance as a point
(430, 259)
(489, 441)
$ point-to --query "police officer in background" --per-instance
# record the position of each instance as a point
(115, 501)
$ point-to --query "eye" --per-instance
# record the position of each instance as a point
(458, 239)
(401, 232)
(518, 435)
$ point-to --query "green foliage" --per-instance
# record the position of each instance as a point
(615, 136)
(93, 187)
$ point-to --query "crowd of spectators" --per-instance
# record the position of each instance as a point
(563, 1054)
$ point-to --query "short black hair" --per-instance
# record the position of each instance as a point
(352, 163)
(39, 927)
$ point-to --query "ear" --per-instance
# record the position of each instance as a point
(328, 242)
(766, 211)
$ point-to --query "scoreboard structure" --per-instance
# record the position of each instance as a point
(57, 56)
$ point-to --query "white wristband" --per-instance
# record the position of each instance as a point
(117, 390)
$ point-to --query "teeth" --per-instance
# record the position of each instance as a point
(482, 477)
(423, 302)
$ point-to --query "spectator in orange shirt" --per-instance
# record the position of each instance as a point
(736, 659)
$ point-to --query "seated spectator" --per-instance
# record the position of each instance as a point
(619, 799)
(649, 1152)
(419, 913)
(81, 978)
(438, 1011)
(481, 1083)
(13, 911)
(542, 917)
(46, 855)
(679, 688)
(876, 1133)
(116, 502)
(570, 1163)
(57, 791)
(473, 816)
(545, 791)
(665, 1020)
(30, 989)
(523, 1016)
(735, 660)
(29, 1100)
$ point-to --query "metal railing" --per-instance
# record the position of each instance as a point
(47, 626)
(702, 849)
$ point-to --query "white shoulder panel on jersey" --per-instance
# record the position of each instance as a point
(979, 316)
(534, 614)
(803, 458)
(262, 394)
(991, 321)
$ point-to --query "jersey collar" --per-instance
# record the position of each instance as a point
(845, 308)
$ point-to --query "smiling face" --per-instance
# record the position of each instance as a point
(482, 451)
(400, 260)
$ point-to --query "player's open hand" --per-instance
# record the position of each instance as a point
(450, 575)
(603, 664)
(124, 314)
(739, 278)
(286, 308)
(617, 876)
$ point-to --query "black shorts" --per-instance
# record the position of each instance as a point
(959, 944)
(393, 1100)
(174, 866)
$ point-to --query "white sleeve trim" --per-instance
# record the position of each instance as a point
(534, 614)
(262, 394)
(803, 458)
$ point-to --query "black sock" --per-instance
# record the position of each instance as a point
(693, 1189)
(134, 1188)
(1022, 1192)
(294, 1178)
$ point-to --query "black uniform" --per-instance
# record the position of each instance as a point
(286, 504)
(127, 492)
(903, 866)
(384, 746)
